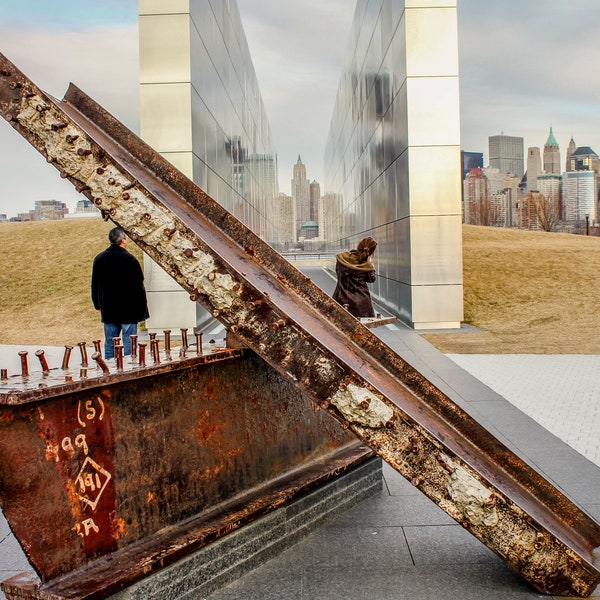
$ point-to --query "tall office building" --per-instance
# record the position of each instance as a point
(301, 195)
(470, 160)
(506, 154)
(202, 110)
(286, 235)
(570, 150)
(315, 195)
(551, 155)
(392, 160)
(549, 185)
(534, 168)
(580, 196)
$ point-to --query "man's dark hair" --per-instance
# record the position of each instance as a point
(116, 235)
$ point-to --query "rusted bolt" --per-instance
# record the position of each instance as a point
(64, 174)
(167, 232)
(5, 73)
(111, 181)
(444, 464)
(324, 404)
(83, 373)
(133, 339)
(125, 196)
(211, 276)
(14, 85)
(167, 333)
(155, 351)
(216, 313)
(83, 350)
(254, 304)
(262, 347)
(10, 117)
(391, 422)
(83, 151)
(417, 481)
(97, 345)
(236, 287)
(112, 212)
(184, 338)
(234, 328)
(50, 159)
(142, 359)
(100, 170)
(24, 366)
(81, 187)
(345, 424)
(43, 362)
(277, 324)
(193, 297)
(133, 235)
(42, 107)
(66, 357)
(68, 379)
(3, 374)
(101, 363)
(147, 217)
(188, 252)
(97, 201)
(152, 336)
(346, 306)
(57, 126)
(119, 356)
(537, 545)
(465, 524)
(365, 403)
(198, 335)
(342, 387)
(415, 445)
(71, 138)
(105, 214)
(173, 273)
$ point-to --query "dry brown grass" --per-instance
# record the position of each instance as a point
(45, 281)
(526, 292)
(529, 293)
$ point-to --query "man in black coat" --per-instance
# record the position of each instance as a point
(118, 292)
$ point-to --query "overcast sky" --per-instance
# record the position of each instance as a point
(524, 65)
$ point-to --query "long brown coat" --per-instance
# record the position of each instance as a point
(352, 279)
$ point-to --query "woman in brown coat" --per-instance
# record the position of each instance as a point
(354, 270)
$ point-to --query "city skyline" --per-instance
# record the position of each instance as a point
(536, 71)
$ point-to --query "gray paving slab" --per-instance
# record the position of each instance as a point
(397, 544)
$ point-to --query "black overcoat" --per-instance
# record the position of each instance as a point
(118, 287)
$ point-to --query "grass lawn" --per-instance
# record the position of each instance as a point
(525, 292)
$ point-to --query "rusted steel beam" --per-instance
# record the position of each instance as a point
(272, 308)
(105, 484)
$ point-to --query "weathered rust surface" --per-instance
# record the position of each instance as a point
(121, 466)
(306, 336)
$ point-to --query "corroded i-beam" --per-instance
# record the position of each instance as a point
(315, 343)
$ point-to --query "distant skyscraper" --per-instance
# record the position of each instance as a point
(285, 213)
(315, 194)
(549, 185)
(579, 192)
(506, 154)
(476, 196)
(534, 168)
(470, 160)
(570, 151)
(551, 155)
(301, 195)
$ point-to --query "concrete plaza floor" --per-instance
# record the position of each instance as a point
(397, 544)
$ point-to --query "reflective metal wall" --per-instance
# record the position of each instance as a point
(202, 110)
(392, 162)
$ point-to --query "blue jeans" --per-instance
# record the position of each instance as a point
(123, 330)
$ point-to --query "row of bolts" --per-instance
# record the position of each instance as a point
(138, 351)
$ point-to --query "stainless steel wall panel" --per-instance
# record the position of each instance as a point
(172, 132)
(160, 7)
(433, 111)
(434, 191)
(164, 48)
(430, 32)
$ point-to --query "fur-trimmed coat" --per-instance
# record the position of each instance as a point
(352, 279)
